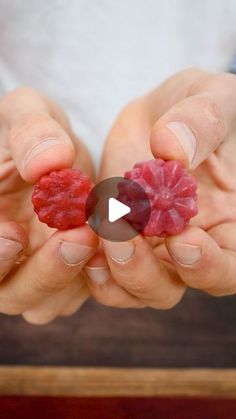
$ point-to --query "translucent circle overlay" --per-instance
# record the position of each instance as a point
(129, 193)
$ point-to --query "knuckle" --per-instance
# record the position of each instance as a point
(9, 308)
(223, 79)
(24, 91)
(167, 300)
(113, 302)
(46, 285)
(107, 299)
(187, 79)
(165, 303)
(22, 94)
(136, 285)
(67, 312)
(209, 275)
(211, 109)
(210, 82)
(37, 124)
(217, 293)
(221, 289)
(193, 72)
(116, 302)
(101, 298)
(33, 317)
(210, 114)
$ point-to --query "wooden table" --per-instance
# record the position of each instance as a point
(187, 351)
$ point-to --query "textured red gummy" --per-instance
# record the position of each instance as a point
(60, 197)
(171, 192)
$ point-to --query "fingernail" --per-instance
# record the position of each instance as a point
(40, 148)
(98, 274)
(74, 254)
(120, 252)
(9, 249)
(185, 137)
(185, 254)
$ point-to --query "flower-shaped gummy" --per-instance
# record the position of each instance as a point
(171, 193)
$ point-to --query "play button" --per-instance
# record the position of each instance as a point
(112, 212)
(116, 210)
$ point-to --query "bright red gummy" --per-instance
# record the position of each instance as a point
(171, 192)
(60, 197)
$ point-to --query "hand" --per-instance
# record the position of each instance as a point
(191, 117)
(35, 138)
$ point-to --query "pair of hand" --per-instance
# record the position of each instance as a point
(44, 274)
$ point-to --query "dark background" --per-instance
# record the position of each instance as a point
(199, 332)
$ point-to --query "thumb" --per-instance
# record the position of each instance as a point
(192, 129)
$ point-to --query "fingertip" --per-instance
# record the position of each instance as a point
(202, 263)
(196, 256)
(186, 248)
(39, 145)
(164, 145)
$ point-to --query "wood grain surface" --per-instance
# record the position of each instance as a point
(62, 381)
(198, 332)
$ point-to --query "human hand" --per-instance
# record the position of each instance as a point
(36, 138)
(191, 117)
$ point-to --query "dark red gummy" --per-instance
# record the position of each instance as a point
(171, 192)
(60, 197)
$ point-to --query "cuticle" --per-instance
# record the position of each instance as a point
(124, 261)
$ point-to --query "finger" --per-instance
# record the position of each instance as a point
(49, 270)
(38, 142)
(224, 235)
(135, 267)
(76, 302)
(103, 287)
(13, 242)
(194, 127)
(202, 263)
(54, 305)
(133, 126)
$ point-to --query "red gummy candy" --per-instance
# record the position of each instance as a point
(60, 197)
(171, 193)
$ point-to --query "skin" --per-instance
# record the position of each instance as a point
(153, 274)
(38, 283)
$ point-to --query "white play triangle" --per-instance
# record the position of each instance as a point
(116, 210)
